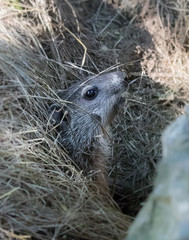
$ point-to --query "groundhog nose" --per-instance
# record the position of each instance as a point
(121, 75)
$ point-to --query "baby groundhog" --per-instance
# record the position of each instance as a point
(83, 118)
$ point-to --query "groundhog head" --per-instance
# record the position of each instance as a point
(88, 107)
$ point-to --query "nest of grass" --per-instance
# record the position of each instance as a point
(42, 194)
(49, 44)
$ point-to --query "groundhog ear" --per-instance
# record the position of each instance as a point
(58, 115)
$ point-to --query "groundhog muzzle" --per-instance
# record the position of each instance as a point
(82, 117)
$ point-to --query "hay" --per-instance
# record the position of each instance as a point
(43, 196)
(151, 40)
(43, 48)
(167, 22)
(154, 47)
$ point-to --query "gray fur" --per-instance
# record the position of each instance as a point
(83, 124)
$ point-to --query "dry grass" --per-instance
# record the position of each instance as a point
(42, 193)
(167, 21)
(171, 45)
(154, 46)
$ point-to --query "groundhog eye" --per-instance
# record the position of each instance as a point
(91, 94)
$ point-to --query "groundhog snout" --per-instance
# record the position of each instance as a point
(118, 77)
(118, 83)
(121, 75)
